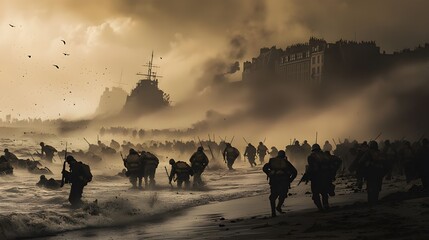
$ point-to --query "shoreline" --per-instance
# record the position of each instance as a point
(349, 218)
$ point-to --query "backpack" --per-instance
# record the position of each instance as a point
(86, 173)
(149, 159)
(182, 167)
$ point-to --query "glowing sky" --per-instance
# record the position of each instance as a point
(107, 37)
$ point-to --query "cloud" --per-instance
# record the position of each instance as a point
(120, 35)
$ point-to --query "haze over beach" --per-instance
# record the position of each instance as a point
(102, 80)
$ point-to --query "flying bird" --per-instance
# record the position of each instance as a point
(56, 66)
(66, 54)
(63, 41)
(160, 57)
(29, 56)
(11, 25)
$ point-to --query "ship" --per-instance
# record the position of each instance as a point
(146, 97)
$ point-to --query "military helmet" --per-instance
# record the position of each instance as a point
(42, 144)
(6, 150)
(228, 144)
(281, 154)
(132, 151)
(42, 177)
(260, 143)
(70, 158)
(200, 148)
(172, 161)
(315, 147)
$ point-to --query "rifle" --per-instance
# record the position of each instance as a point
(31, 156)
(265, 139)
(63, 172)
(316, 137)
(232, 139)
(245, 140)
(375, 139)
(87, 141)
(199, 140)
(304, 177)
(123, 159)
(334, 142)
(211, 152)
(168, 175)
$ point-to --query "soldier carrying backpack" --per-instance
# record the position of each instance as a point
(199, 162)
(79, 176)
(182, 171)
(281, 173)
(230, 154)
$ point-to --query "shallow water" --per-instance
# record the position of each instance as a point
(29, 211)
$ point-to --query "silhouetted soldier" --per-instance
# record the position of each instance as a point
(10, 156)
(327, 147)
(48, 150)
(115, 145)
(274, 152)
(334, 165)
(182, 171)
(281, 173)
(230, 154)
(423, 163)
(48, 183)
(250, 153)
(374, 169)
(5, 166)
(356, 166)
(320, 174)
(150, 163)
(262, 152)
(79, 176)
(305, 148)
(135, 168)
(392, 161)
(408, 158)
(199, 162)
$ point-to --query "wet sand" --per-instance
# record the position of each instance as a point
(248, 218)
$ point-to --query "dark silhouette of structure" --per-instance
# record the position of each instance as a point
(111, 101)
(146, 97)
(318, 61)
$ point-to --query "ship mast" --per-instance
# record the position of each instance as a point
(150, 75)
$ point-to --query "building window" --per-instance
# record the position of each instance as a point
(307, 54)
(318, 59)
(313, 71)
(292, 57)
(286, 59)
(299, 56)
(313, 60)
(318, 69)
(321, 58)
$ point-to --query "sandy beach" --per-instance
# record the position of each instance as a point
(400, 215)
